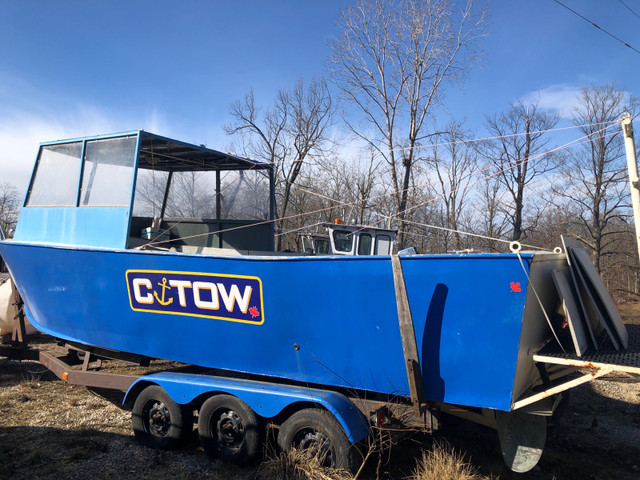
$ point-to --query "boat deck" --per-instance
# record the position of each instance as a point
(623, 360)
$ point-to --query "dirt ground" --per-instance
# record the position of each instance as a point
(51, 430)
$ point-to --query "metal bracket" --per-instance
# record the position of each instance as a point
(19, 334)
(597, 372)
(86, 362)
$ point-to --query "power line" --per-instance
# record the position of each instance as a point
(484, 171)
(629, 8)
(597, 26)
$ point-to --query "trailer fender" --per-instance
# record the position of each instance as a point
(265, 398)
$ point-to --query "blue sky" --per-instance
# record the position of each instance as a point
(77, 68)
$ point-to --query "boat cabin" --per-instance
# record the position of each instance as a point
(138, 190)
(350, 240)
(141, 190)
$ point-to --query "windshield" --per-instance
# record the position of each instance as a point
(106, 167)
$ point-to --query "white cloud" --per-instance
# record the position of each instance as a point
(559, 97)
(22, 131)
(32, 115)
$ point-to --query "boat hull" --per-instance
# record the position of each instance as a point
(322, 320)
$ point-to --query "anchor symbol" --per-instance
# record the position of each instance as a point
(164, 287)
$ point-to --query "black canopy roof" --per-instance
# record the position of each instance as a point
(161, 153)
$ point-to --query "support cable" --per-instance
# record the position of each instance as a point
(629, 8)
(321, 210)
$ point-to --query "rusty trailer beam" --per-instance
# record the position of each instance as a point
(141, 360)
(55, 362)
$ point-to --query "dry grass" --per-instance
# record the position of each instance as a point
(629, 311)
(297, 465)
(51, 430)
(442, 462)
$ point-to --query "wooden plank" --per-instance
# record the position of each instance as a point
(408, 336)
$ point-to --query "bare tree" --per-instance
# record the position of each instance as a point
(453, 165)
(518, 154)
(595, 173)
(9, 206)
(360, 184)
(293, 131)
(353, 186)
(392, 61)
(490, 222)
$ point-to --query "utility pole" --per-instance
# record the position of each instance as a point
(632, 165)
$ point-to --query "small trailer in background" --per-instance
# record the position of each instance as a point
(322, 348)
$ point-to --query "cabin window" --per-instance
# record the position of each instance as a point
(307, 245)
(192, 195)
(150, 188)
(342, 240)
(55, 183)
(322, 247)
(364, 244)
(244, 194)
(383, 245)
(108, 172)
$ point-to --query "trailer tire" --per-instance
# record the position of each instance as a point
(159, 422)
(228, 429)
(318, 430)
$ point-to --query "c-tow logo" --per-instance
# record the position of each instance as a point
(234, 298)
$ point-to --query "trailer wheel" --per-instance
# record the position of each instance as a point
(319, 432)
(228, 429)
(158, 421)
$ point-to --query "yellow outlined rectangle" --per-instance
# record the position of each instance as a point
(192, 310)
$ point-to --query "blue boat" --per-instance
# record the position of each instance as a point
(142, 244)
